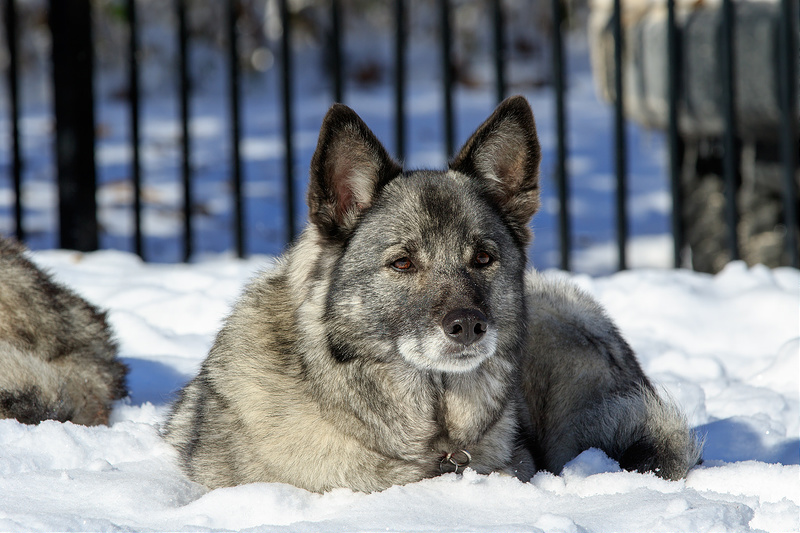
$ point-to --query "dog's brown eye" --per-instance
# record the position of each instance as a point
(403, 264)
(482, 259)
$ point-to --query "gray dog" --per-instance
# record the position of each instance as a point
(57, 356)
(401, 337)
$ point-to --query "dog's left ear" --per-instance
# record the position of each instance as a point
(504, 154)
(349, 168)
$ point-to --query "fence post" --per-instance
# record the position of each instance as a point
(286, 78)
(186, 144)
(13, 89)
(136, 167)
(730, 158)
(564, 230)
(236, 157)
(619, 135)
(71, 26)
(788, 58)
(336, 51)
(400, 78)
(447, 75)
(675, 142)
(500, 50)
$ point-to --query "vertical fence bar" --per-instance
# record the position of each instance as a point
(675, 142)
(564, 230)
(72, 53)
(789, 141)
(400, 78)
(186, 170)
(620, 140)
(730, 159)
(13, 89)
(336, 52)
(286, 79)
(235, 131)
(447, 78)
(133, 99)
(499, 51)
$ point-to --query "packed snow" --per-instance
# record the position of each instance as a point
(725, 347)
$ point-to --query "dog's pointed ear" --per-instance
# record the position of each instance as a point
(504, 154)
(348, 169)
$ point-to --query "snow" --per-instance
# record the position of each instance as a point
(725, 347)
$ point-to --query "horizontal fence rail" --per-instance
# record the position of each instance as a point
(76, 166)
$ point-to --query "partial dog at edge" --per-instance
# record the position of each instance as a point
(57, 355)
(401, 336)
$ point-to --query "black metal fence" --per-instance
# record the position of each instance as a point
(69, 22)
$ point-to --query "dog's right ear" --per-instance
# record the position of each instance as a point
(349, 168)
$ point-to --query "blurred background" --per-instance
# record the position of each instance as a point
(180, 129)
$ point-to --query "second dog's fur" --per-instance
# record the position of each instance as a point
(57, 355)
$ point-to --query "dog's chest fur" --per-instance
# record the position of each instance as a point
(365, 425)
(400, 412)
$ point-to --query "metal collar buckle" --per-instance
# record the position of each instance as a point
(455, 462)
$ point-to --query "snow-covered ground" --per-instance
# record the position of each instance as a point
(725, 347)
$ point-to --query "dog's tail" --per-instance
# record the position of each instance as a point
(656, 437)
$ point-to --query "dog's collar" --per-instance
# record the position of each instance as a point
(454, 462)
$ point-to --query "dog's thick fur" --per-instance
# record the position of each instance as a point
(57, 355)
(401, 337)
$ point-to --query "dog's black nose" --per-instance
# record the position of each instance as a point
(465, 326)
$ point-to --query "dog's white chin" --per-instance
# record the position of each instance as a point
(437, 352)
